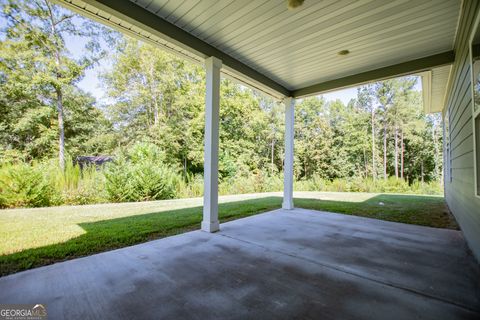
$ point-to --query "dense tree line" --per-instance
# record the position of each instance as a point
(156, 98)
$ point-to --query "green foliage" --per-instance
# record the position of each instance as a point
(153, 122)
(39, 101)
(76, 186)
(142, 176)
(190, 187)
(358, 184)
(118, 177)
(23, 185)
(144, 179)
(252, 182)
(140, 182)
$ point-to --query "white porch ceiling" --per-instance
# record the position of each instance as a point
(439, 84)
(298, 48)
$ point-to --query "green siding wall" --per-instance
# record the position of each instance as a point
(459, 188)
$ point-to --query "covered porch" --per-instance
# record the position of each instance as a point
(283, 264)
(290, 51)
(288, 263)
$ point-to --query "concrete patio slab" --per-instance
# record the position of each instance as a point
(295, 264)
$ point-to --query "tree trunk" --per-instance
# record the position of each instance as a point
(58, 91)
(365, 162)
(396, 151)
(61, 126)
(422, 171)
(155, 111)
(402, 156)
(435, 145)
(374, 171)
(273, 153)
(282, 162)
(305, 167)
(150, 83)
(61, 131)
(385, 150)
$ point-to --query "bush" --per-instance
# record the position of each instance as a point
(24, 185)
(358, 184)
(143, 175)
(143, 181)
(190, 187)
(153, 182)
(74, 185)
(251, 182)
(431, 187)
(117, 186)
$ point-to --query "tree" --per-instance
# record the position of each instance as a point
(366, 101)
(384, 94)
(159, 98)
(313, 139)
(39, 29)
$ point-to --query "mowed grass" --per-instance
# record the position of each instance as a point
(35, 237)
(429, 211)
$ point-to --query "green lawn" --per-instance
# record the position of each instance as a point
(35, 237)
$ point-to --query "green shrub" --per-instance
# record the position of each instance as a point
(339, 185)
(74, 185)
(318, 183)
(118, 180)
(142, 175)
(302, 185)
(145, 152)
(24, 185)
(82, 195)
(153, 182)
(431, 187)
(190, 187)
(273, 183)
(143, 181)
(358, 184)
(251, 182)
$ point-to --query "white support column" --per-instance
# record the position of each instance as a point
(288, 164)
(212, 110)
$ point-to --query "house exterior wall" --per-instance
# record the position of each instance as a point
(458, 131)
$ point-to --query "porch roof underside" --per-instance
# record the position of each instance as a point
(286, 52)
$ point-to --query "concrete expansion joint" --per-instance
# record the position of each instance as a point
(355, 274)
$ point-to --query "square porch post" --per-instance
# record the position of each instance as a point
(212, 109)
(288, 164)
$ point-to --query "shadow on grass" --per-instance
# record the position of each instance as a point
(111, 234)
(429, 211)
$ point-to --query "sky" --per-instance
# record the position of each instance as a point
(344, 95)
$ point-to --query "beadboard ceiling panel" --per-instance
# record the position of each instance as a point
(298, 48)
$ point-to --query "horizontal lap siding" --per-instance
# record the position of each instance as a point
(459, 192)
(463, 147)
